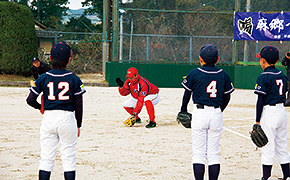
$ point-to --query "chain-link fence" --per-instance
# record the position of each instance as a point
(86, 47)
(151, 35)
(249, 54)
(171, 36)
(174, 49)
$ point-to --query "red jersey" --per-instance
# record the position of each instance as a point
(139, 89)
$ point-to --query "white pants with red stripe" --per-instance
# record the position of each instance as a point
(206, 127)
(58, 127)
(154, 98)
(274, 123)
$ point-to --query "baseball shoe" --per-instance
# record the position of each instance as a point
(151, 124)
(138, 120)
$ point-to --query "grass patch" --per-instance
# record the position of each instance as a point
(84, 77)
(6, 77)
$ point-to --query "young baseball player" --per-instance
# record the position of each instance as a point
(63, 108)
(143, 93)
(271, 88)
(210, 88)
(39, 67)
(286, 63)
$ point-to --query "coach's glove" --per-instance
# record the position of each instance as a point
(119, 82)
(258, 136)
(184, 118)
(130, 121)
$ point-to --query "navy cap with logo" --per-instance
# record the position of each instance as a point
(61, 51)
(34, 59)
(209, 53)
(269, 53)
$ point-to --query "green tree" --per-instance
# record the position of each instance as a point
(18, 41)
(49, 12)
(96, 7)
(270, 5)
(81, 24)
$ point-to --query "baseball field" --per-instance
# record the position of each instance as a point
(108, 150)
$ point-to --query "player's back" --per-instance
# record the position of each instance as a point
(59, 88)
(273, 85)
(208, 85)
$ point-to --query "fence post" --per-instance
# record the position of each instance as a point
(257, 50)
(121, 38)
(130, 51)
(190, 50)
(115, 28)
(147, 48)
(55, 36)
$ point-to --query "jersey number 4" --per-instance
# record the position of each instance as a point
(61, 85)
(211, 89)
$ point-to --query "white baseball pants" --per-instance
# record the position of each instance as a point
(206, 127)
(154, 98)
(58, 126)
(274, 123)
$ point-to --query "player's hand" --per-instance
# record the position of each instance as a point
(258, 123)
(79, 132)
(119, 82)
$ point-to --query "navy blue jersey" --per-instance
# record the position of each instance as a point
(208, 85)
(272, 84)
(59, 88)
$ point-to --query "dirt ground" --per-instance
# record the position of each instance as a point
(108, 150)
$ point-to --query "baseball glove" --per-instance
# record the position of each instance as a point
(130, 121)
(184, 118)
(258, 136)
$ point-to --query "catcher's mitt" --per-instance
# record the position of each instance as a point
(258, 136)
(184, 118)
(130, 121)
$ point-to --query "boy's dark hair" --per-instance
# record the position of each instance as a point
(210, 62)
(57, 64)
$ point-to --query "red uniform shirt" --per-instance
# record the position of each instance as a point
(139, 89)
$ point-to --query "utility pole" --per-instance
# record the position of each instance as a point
(106, 34)
(246, 46)
(236, 42)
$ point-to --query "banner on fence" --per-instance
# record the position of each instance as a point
(257, 26)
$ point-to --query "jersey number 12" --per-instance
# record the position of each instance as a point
(61, 85)
(211, 88)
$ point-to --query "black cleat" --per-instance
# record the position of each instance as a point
(138, 120)
(151, 124)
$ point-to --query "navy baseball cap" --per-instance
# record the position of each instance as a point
(34, 59)
(209, 53)
(270, 53)
(61, 51)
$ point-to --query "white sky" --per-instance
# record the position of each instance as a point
(75, 4)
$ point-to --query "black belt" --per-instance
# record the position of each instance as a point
(201, 106)
(274, 104)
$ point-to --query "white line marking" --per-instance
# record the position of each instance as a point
(234, 132)
(238, 119)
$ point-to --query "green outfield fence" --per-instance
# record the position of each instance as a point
(171, 75)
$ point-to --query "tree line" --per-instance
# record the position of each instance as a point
(50, 13)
